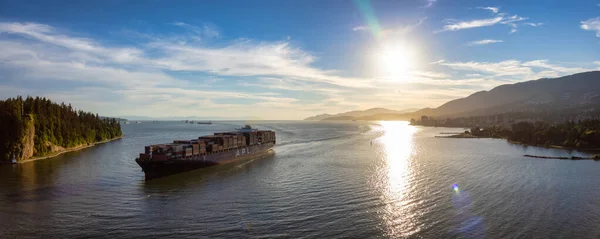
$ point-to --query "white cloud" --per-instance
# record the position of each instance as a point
(429, 3)
(512, 19)
(534, 24)
(212, 80)
(512, 31)
(247, 58)
(460, 25)
(484, 42)
(503, 68)
(493, 9)
(292, 85)
(47, 34)
(140, 76)
(360, 28)
(592, 24)
(468, 84)
(400, 31)
(241, 58)
(396, 31)
(203, 31)
(124, 80)
(517, 70)
(500, 18)
(430, 74)
(557, 68)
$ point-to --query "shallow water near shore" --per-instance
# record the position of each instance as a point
(323, 179)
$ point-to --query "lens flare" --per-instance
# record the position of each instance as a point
(368, 13)
(469, 224)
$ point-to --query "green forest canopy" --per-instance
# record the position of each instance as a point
(581, 134)
(55, 124)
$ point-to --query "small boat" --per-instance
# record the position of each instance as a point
(138, 122)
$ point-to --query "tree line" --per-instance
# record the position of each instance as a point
(582, 134)
(55, 124)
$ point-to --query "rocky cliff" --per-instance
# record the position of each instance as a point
(27, 139)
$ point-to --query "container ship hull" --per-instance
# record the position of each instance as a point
(156, 169)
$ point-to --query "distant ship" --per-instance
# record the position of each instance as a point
(185, 155)
(204, 122)
(138, 122)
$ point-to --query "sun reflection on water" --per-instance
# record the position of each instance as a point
(395, 178)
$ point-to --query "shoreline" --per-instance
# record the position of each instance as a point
(595, 158)
(465, 136)
(589, 150)
(57, 153)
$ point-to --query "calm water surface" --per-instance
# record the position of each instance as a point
(322, 180)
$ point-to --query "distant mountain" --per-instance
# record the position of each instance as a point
(358, 114)
(118, 119)
(319, 117)
(188, 118)
(340, 118)
(582, 89)
(573, 93)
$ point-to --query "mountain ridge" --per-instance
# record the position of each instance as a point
(578, 90)
(358, 113)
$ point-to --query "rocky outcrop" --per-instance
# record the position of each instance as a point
(27, 142)
(27, 139)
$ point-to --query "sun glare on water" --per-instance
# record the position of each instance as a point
(396, 179)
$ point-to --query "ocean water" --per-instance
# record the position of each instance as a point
(322, 180)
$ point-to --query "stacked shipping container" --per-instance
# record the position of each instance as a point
(207, 144)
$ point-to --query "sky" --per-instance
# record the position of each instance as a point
(285, 59)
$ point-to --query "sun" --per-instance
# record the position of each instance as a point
(396, 61)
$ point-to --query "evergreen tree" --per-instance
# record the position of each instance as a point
(55, 124)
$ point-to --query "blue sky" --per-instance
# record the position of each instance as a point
(285, 59)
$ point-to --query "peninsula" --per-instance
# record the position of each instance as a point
(582, 134)
(37, 128)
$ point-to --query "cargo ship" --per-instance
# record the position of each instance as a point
(185, 155)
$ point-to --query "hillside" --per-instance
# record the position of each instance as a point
(568, 94)
(340, 118)
(358, 114)
(319, 117)
(558, 93)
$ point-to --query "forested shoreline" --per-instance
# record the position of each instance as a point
(580, 134)
(35, 127)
